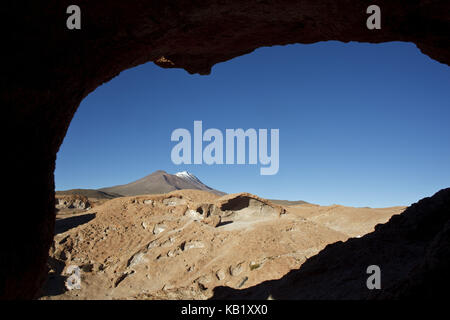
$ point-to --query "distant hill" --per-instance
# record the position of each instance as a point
(160, 182)
(89, 193)
(288, 202)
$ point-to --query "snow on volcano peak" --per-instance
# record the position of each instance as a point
(188, 176)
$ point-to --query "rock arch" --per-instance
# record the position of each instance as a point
(47, 70)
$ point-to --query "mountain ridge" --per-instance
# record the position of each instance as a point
(160, 182)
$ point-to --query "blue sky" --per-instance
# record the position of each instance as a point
(360, 124)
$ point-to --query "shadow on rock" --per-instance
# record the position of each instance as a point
(63, 225)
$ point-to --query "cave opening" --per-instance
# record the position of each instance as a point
(354, 115)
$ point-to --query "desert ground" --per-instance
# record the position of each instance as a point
(183, 244)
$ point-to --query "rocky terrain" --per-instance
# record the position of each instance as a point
(186, 244)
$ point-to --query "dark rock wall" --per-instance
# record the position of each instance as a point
(47, 70)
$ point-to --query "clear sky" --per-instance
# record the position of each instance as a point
(360, 124)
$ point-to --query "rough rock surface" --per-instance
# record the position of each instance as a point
(47, 70)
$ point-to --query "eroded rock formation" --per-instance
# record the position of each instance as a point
(47, 70)
(72, 202)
